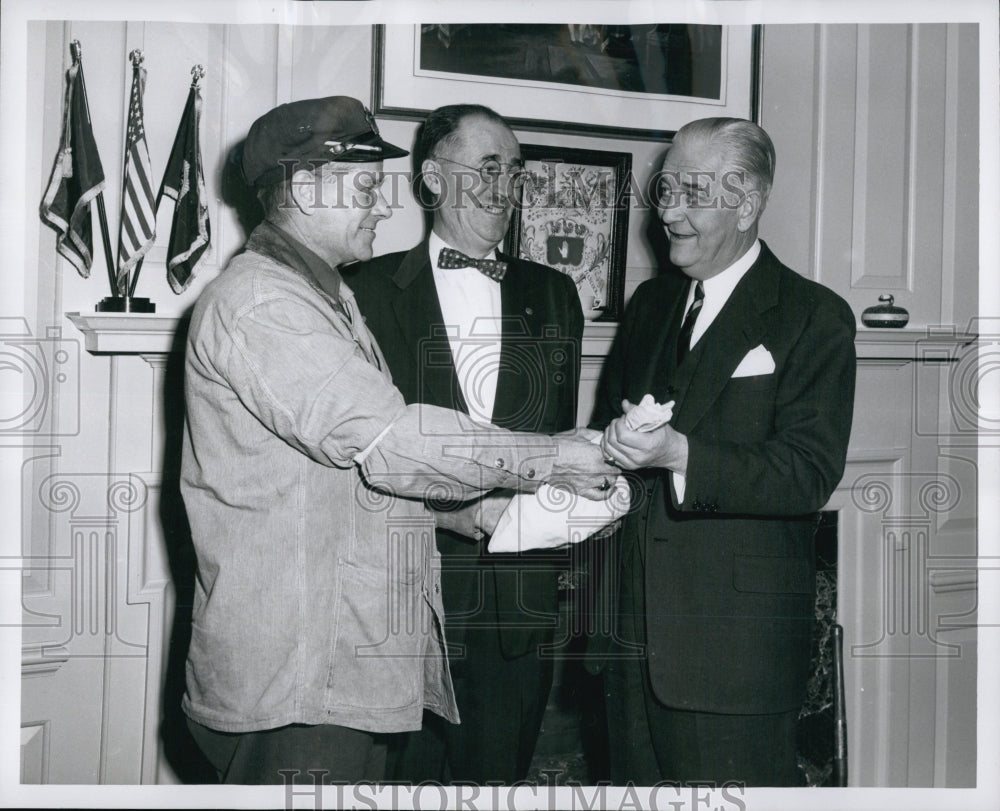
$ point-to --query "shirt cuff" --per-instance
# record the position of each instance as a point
(360, 458)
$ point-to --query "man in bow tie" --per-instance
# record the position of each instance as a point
(715, 581)
(465, 327)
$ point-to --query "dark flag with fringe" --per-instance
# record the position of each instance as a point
(184, 181)
(77, 178)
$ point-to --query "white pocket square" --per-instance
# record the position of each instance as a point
(757, 361)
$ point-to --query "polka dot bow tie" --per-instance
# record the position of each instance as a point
(450, 258)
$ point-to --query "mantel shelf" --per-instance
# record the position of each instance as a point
(139, 334)
(126, 333)
(925, 344)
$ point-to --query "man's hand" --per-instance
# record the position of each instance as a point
(580, 467)
(631, 450)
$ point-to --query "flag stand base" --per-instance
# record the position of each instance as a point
(125, 304)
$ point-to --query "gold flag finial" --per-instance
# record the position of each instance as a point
(136, 56)
(197, 72)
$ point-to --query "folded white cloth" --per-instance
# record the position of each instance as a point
(758, 361)
(552, 517)
(648, 415)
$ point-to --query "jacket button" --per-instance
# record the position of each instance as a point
(501, 464)
(531, 473)
(437, 588)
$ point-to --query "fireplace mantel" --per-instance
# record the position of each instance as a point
(140, 334)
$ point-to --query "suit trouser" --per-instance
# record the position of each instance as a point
(341, 754)
(651, 742)
(501, 702)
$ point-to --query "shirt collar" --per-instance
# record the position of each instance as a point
(328, 278)
(721, 285)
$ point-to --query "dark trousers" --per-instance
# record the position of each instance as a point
(650, 742)
(255, 758)
(500, 701)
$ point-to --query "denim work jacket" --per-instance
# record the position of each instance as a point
(317, 598)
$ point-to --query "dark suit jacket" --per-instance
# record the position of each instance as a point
(536, 391)
(730, 571)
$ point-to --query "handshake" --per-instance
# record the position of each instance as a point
(589, 461)
(546, 520)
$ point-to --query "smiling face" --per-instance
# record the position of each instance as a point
(709, 214)
(472, 214)
(343, 205)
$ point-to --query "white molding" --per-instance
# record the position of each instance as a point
(126, 333)
(951, 581)
(598, 337)
(43, 660)
(151, 335)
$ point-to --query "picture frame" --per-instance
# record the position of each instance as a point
(573, 216)
(573, 87)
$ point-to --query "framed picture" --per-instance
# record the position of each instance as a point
(574, 217)
(624, 81)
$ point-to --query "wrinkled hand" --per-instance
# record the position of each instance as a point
(580, 467)
(663, 447)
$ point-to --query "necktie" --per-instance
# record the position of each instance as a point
(450, 258)
(684, 337)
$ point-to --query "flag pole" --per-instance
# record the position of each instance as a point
(137, 60)
(123, 301)
(76, 51)
(197, 72)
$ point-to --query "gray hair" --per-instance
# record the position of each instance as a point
(745, 146)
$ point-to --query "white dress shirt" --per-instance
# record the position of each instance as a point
(471, 306)
(717, 289)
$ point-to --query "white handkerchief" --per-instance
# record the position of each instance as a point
(552, 517)
(648, 415)
(757, 361)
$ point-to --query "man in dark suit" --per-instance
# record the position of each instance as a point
(716, 571)
(501, 342)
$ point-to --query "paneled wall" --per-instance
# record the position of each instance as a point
(875, 128)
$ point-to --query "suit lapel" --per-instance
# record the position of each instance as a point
(737, 329)
(516, 324)
(421, 323)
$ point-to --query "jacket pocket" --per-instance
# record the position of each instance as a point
(770, 574)
(382, 626)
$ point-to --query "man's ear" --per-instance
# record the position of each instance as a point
(304, 190)
(749, 209)
(430, 171)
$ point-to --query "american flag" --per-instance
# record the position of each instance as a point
(138, 218)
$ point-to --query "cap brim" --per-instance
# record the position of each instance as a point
(369, 148)
(384, 150)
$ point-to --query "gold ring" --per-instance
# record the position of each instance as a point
(605, 485)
